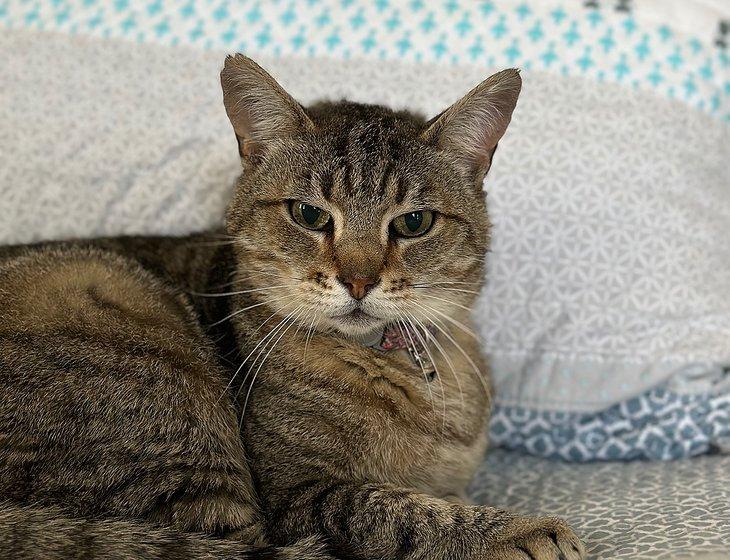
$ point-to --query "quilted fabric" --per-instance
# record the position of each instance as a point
(638, 510)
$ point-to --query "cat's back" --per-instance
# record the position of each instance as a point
(111, 392)
(62, 290)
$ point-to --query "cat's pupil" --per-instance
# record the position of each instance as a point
(413, 220)
(310, 213)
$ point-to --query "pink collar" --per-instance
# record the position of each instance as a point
(395, 338)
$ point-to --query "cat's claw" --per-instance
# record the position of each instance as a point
(541, 538)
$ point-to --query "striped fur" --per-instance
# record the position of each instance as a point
(28, 533)
(111, 409)
(209, 396)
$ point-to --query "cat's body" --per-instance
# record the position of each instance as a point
(132, 367)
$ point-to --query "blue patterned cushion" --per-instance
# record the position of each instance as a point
(659, 424)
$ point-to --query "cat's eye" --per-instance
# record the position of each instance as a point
(413, 224)
(309, 216)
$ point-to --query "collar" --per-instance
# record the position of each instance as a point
(394, 337)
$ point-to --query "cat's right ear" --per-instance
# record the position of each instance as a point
(258, 107)
(471, 127)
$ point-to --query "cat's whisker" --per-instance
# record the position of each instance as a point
(213, 240)
(440, 348)
(299, 323)
(240, 367)
(450, 302)
(442, 328)
(256, 274)
(404, 328)
(441, 282)
(475, 292)
(260, 274)
(310, 333)
(445, 288)
(214, 243)
(262, 344)
(239, 280)
(438, 374)
(453, 321)
(293, 320)
(247, 308)
(436, 287)
(221, 286)
(226, 294)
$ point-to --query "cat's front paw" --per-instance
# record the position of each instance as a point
(538, 538)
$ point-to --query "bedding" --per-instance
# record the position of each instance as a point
(607, 311)
(661, 510)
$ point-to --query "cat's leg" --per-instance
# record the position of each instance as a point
(113, 403)
(340, 447)
(382, 521)
(48, 533)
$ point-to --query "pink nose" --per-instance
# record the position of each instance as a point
(357, 285)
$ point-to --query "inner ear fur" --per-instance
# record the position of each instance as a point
(259, 109)
(472, 127)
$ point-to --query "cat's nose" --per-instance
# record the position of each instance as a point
(358, 285)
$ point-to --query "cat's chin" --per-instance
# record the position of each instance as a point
(358, 324)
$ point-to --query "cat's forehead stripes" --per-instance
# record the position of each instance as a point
(367, 161)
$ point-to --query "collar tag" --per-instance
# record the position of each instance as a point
(395, 338)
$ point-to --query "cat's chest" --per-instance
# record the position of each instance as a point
(423, 436)
(383, 416)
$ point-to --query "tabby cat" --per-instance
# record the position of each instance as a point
(305, 384)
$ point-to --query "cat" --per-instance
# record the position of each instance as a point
(305, 384)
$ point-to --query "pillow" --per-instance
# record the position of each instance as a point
(609, 278)
(607, 311)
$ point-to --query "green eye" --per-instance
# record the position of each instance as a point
(308, 216)
(413, 224)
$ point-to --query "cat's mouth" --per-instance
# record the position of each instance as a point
(356, 316)
(356, 321)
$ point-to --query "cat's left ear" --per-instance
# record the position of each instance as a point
(258, 107)
(471, 127)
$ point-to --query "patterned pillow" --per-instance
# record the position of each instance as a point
(607, 312)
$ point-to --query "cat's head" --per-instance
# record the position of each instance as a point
(352, 216)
